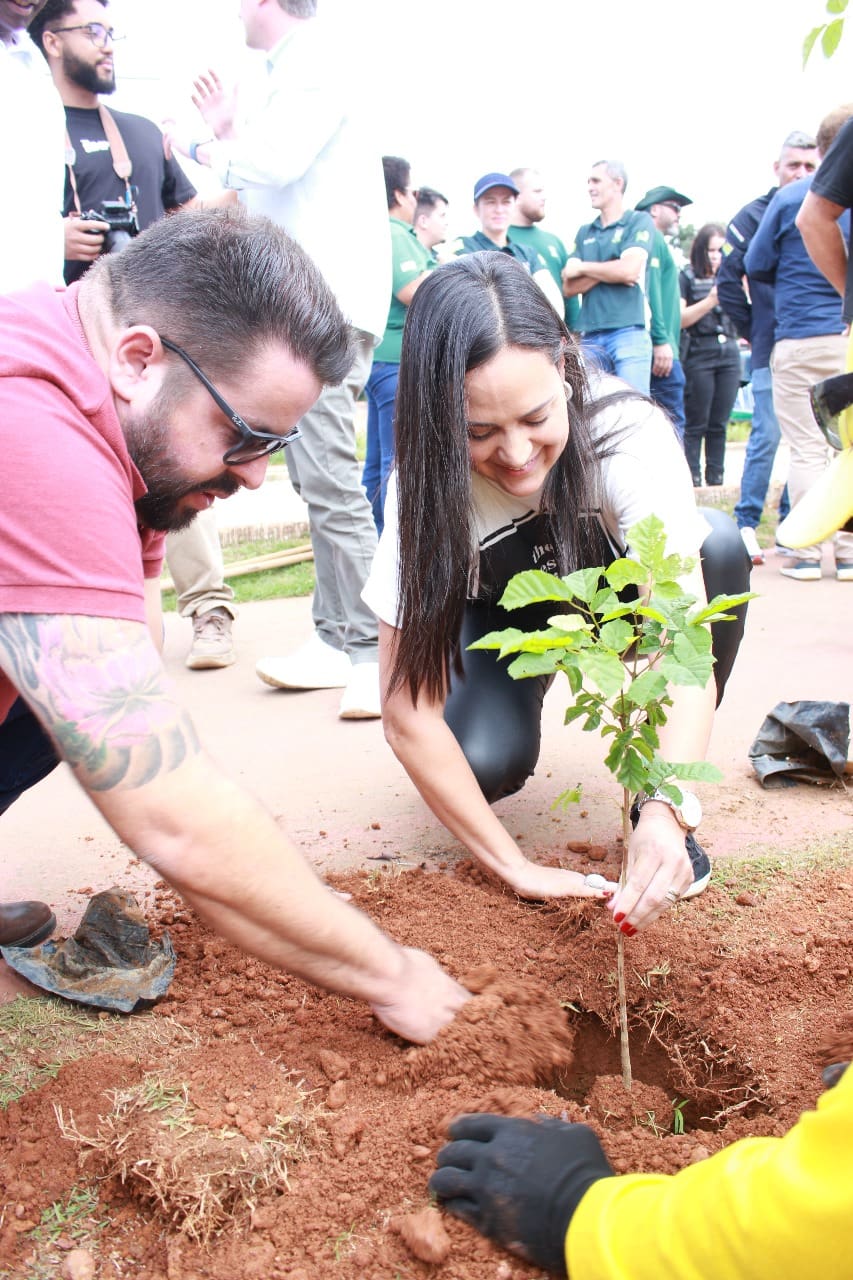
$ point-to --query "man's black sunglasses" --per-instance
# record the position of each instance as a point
(253, 444)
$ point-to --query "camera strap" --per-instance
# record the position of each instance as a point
(122, 165)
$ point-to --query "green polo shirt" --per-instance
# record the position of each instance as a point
(554, 254)
(480, 242)
(613, 306)
(664, 294)
(409, 259)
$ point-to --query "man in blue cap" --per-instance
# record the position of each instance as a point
(495, 196)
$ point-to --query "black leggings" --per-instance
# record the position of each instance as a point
(497, 720)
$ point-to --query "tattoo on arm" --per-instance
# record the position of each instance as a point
(99, 688)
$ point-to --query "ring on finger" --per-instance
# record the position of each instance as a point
(672, 895)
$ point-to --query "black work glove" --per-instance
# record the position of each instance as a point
(519, 1181)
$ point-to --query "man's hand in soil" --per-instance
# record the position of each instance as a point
(425, 999)
(519, 1181)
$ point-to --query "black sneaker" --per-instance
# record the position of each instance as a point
(701, 864)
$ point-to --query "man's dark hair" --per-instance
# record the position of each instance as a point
(299, 8)
(223, 284)
(428, 198)
(397, 174)
(53, 14)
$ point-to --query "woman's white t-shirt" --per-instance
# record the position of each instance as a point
(646, 474)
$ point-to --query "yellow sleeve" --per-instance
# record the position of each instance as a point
(767, 1208)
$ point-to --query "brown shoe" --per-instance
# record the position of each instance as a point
(25, 924)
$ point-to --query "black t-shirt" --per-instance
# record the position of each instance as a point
(714, 322)
(159, 184)
(834, 181)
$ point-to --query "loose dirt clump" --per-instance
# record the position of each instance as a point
(734, 1010)
(196, 1151)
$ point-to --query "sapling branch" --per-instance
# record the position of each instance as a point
(626, 633)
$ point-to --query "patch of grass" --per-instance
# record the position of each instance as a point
(39, 1035)
(75, 1217)
(761, 872)
(36, 1037)
(266, 584)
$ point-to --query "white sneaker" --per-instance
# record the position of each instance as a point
(361, 700)
(753, 550)
(315, 665)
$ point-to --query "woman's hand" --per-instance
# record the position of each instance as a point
(657, 862)
(530, 880)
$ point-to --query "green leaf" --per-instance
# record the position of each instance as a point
(543, 641)
(685, 666)
(569, 622)
(605, 670)
(717, 608)
(836, 6)
(831, 37)
(617, 635)
(647, 687)
(809, 43)
(574, 676)
(625, 573)
(583, 583)
(647, 611)
(528, 665)
(565, 798)
(648, 541)
(604, 601)
(497, 639)
(696, 771)
(532, 587)
(633, 771)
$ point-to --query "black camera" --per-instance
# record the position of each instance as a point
(122, 221)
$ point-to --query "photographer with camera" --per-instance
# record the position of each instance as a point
(119, 180)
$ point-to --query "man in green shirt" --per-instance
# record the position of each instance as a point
(526, 229)
(664, 205)
(410, 265)
(607, 269)
(495, 196)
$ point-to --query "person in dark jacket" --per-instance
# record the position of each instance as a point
(710, 355)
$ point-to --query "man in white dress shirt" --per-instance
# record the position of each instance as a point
(33, 152)
(295, 158)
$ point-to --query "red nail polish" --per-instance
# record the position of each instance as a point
(628, 930)
(618, 917)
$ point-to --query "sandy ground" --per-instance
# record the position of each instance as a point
(338, 791)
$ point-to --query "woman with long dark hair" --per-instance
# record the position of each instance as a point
(503, 463)
(710, 358)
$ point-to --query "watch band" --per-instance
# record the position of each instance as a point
(194, 146)
(688, 814)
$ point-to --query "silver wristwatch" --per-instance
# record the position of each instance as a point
(688, 814)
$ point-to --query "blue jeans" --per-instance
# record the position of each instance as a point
(26, 754)
(761, 449)
(668, 392)
(625, 352)
(381, 392)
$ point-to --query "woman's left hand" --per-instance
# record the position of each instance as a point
(657, 863)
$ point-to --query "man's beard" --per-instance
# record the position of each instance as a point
(148, 437)
(88, 77)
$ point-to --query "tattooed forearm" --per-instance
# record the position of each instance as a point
(99, 688)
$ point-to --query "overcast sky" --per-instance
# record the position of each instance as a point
(695, 94)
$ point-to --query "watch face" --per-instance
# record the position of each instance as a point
(691, 809)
